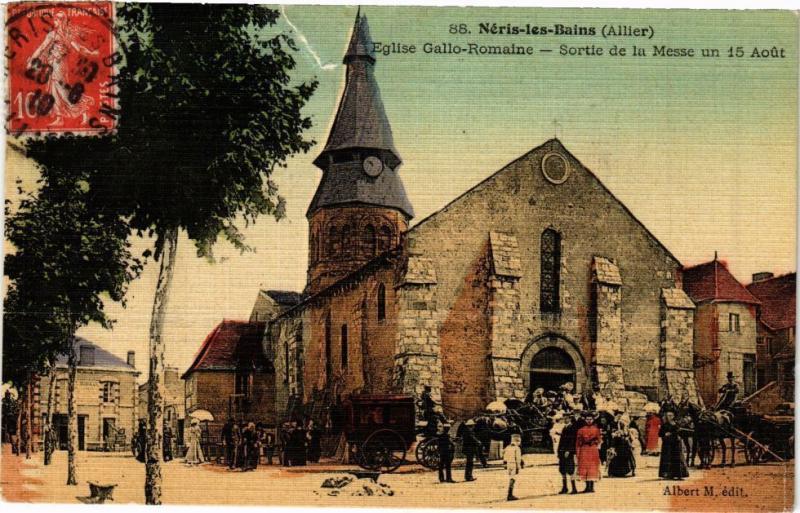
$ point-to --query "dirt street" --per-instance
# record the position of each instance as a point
(744, 488)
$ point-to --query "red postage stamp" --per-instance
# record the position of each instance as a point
(62, 60)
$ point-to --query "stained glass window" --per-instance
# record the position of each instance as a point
(550, 272)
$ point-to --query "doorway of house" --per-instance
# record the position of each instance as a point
(109, 433)
(60, 426)
(550, 368)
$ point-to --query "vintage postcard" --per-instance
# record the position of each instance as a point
(399, 256)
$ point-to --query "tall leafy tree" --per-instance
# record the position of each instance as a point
(68, 259)
(208, 110)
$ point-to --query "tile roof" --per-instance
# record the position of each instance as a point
(102, 358)
(712, 281)
(778, 298)
(230, 345)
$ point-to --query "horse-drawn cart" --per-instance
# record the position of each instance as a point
(380, 430)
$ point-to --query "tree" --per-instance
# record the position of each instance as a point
(208, 110)
(67, 258)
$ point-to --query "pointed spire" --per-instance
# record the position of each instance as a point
(360, 41)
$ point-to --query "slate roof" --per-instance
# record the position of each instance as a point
(360, 123)
(102, 358)
(778, 298)
(712, 281)
(284, 297)
(230, 345)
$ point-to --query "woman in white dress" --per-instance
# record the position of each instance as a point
(194, 454)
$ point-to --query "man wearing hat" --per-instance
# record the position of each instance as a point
(470, 445)
(728, 393)
(566, 450)
(446, 453)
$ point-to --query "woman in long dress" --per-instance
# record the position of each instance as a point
(194, 455)
(621, 462)
(587, 449)
(651, 430)
(673, 463)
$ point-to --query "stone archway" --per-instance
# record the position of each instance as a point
(557, 353)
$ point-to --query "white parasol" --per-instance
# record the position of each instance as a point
(202, 415)
(651, 408)
(496, 407)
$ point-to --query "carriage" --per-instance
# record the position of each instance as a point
(380, 429)
(759, 437)
(515, 417)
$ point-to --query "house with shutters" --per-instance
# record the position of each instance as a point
(106, 395)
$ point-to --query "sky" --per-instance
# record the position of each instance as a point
(703, 151)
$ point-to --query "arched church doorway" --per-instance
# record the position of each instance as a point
(549, 361)
(550, 368)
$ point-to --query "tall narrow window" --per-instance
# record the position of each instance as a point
(381, 302)
(332, 247)
(385, 242)
(370, 241)
(733, 322)
(347, 240)
(550, 272)
(344, 346)
(328, 349)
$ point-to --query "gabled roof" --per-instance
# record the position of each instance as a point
(712, 281)
(231, 345)
(284, 297)
(102, 358)
(778, 298)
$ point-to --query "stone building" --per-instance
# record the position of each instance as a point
(536, 276)
(775, 330)
(230, 376)
(724, 329)
(106, 395)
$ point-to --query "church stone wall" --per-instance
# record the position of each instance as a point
(520, 201)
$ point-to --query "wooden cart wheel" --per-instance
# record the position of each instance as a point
(753, 453)
(384, 451)
(428, 453)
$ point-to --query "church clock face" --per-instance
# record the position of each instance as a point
(373, 166)
(555, 168)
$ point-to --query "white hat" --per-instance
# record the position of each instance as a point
(470, 422)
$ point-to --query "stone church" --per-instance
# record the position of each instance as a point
(536, 276)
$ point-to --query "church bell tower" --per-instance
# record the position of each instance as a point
(360, 208)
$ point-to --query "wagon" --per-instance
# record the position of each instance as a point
(380, 429)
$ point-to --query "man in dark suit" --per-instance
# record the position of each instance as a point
(446, 453)
(470, 445)
(566, 451)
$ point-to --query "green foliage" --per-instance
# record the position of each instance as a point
(66, 258)
(207, 112)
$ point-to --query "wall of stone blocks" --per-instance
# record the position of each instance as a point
(519, 200)
(88, 391)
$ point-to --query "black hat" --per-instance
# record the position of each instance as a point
(730, 374)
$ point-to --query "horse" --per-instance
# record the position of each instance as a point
(687, 421)
(711, 425)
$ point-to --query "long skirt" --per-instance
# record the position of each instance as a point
(588, 463)
(194, 456)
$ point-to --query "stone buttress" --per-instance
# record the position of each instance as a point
(676, 372)
(607, 337)
(417, 360)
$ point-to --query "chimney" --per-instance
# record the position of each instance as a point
(762, 276)
(132, 358)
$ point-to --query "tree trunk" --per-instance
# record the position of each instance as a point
(155, 382)
(72, 424)
(20, 413)
(48, 422)
(26, 435)
(32, 441)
